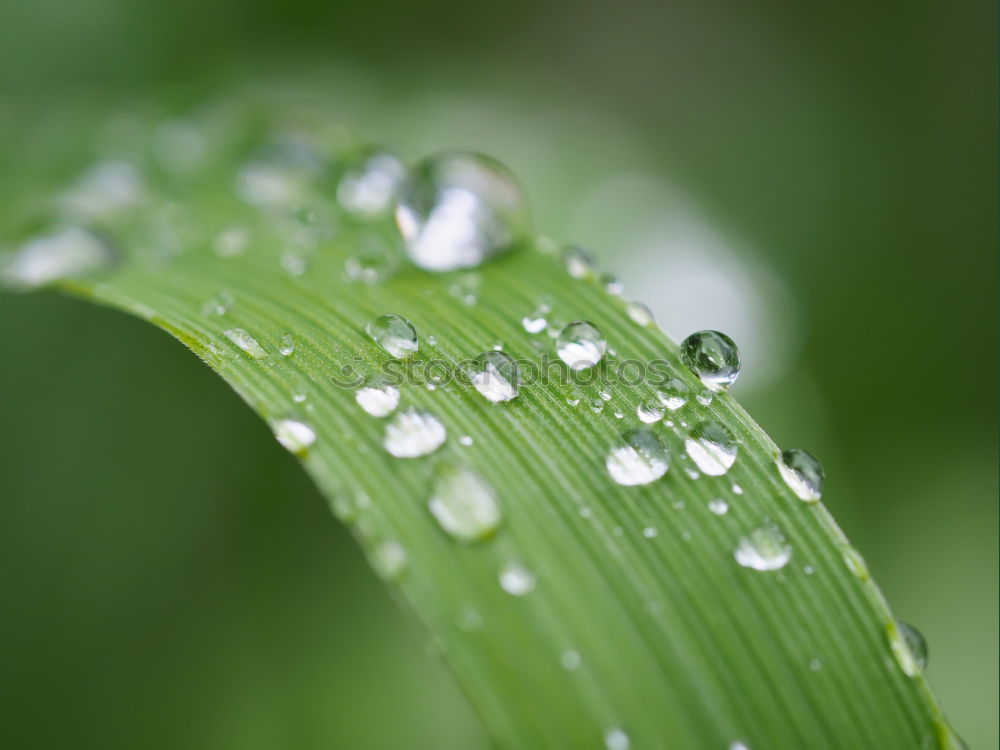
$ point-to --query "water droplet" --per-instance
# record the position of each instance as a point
(713, 357)
(712, 447)
(368, 186)
(231, 242)
(611, 283)
(763, 549)
(395, 334)
(704, 398)
(718, 506)
(464, 504)
(605, 394)
(377, 400)
(802, 473)
(581, 345)
(909, 647)
(457, 210)
(579, 262)
(466, 440)
(649, 412)
(674, 394)
(494, 374)
(616, 739)
(737, 490)
(63, 254)
(597, 405)
(738, 745)
(389, 559)
(414, 433)
(295, 436)
(619, 414)
(650, 532)
(815, 665)
(104, 189)
(855, 563)
(570, 660)
(639, 313)
(245, 342)
(219, 304)
(516, 579)
(286, 347)
(640, 459)
(535, 322)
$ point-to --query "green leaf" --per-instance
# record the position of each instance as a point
(589, 612)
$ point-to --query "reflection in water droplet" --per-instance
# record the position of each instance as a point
(640, 459)
(763, 549)
(581, 345)
(63, 254)
(368, 186)
(464, 504)
(909, 647)
(456, 210)
(802, 473)
(295, 436)
(516, 579)
(377, 400)
(713, 357)
(395, 334)
(494, 374)
(674, 394)
(414, 433)
(712, 447)
(616, 739)
(247, 343)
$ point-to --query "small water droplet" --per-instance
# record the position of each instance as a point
(63, 254)
(368, 185)
(286, 347)
(219, 304)
(712, 447)
(649, 412)
(494, 374)
(802, 473)
(597, 405)
(579, 263)
(377, 400)
(586, 512)
(457, 210)
(516, 579)
(374, 262)
(815, 665)
(763, 549)
(650, 532)
(738, 745)
(619, 414)
(245, 342)
(605, 394)
(616, 739)
(713, 357)
(464, 504)
(395, 334)
(295, 436)
(737, 490)
(534, 322)
(611, 283)
(466, 440)
(704, 398)
(296, 262)
(231, 242)
(105, 189)
(640, 459)
(718, 506)
(389, 559)
(470, 620)
(674, 394)
(570, 660)
(414, 433)
(639, 313)
(855, 563)
(581, 345)
(909, 647)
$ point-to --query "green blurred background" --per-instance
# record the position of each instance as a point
(819, 180)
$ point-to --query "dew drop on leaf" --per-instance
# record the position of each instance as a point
(649, 412)
(367, 187)
(674, 394)
(581, 345)
(389, 559)
(802, 473)
(286, 346)
(63, 254)
(639, 313)
(458, 209)
(579, 262)
(570, 660)
(909, 647)
(414, 433)
(718, 506)
(516, 579)
(713, 357)
(375, 261)
(712, 447)
(495, 375)
(464, 504)
(247, 343)
(763, 549)
(294, 435)
(640, 458)
(395, 334)
(616, 739)
(377, 400)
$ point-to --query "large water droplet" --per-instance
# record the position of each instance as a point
(414, 433)
(581, 345)
(674, 394)
(713, 357)
(909, 647)
(395, 334)
(802, 473)
(516, 579)
(295, 436)
(456, 210)
(640, 459)
(616, 739)
(464, 504)
(247, 343)
(368, 186)
(494, 374)
(377, 400)
(712, 447)
(63, 254)
(763, 549)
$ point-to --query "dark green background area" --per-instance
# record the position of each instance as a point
(169, 577)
